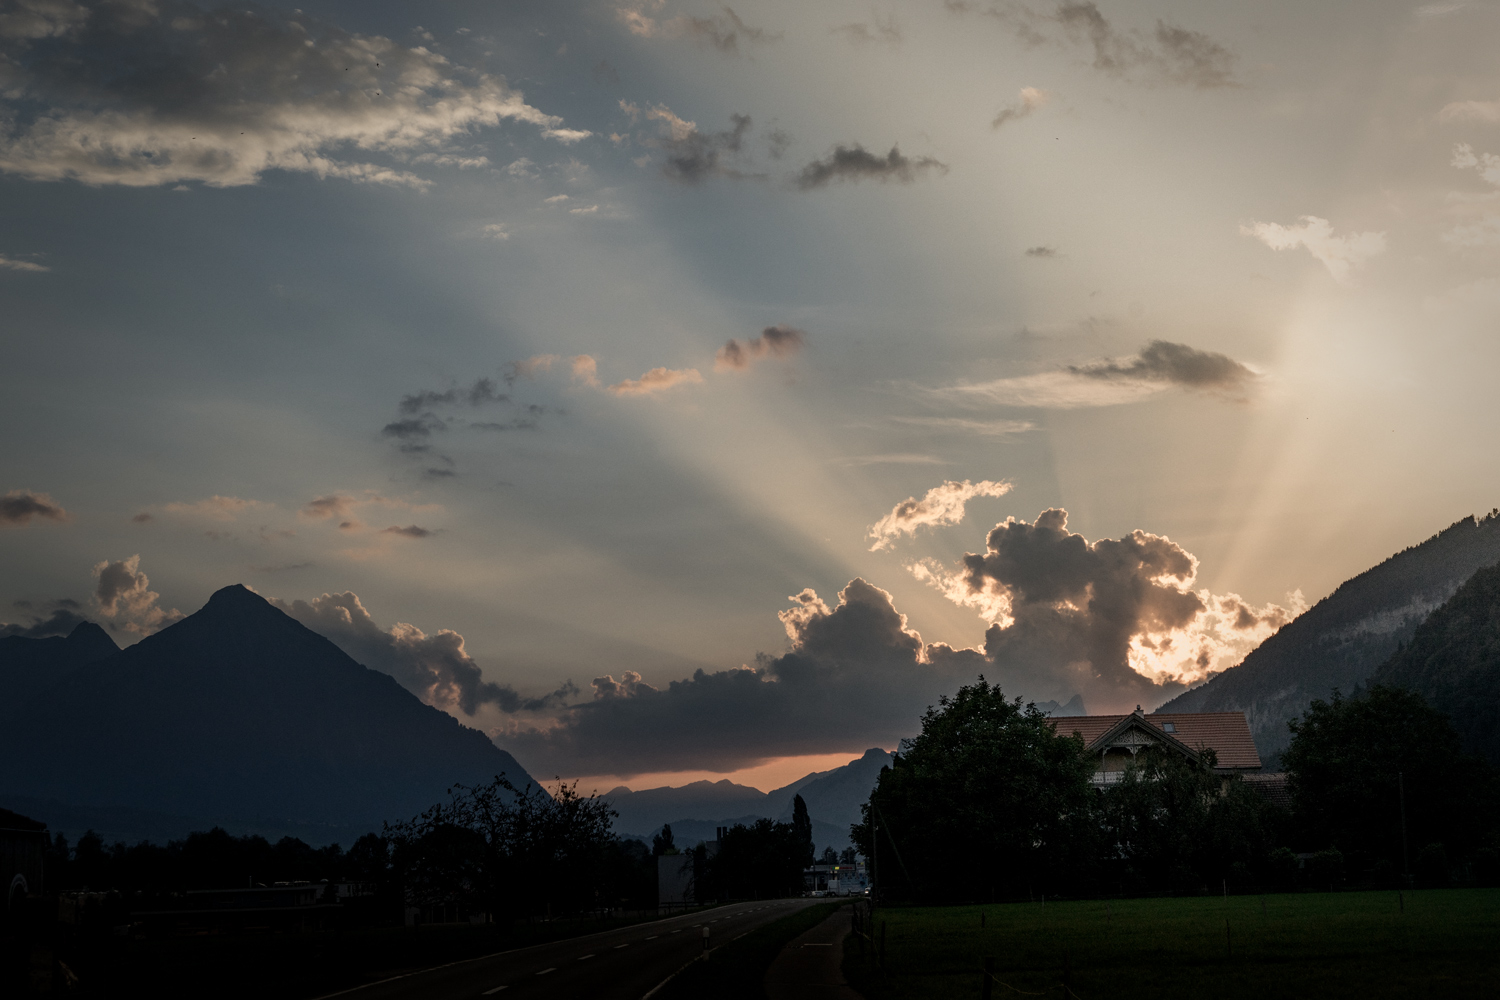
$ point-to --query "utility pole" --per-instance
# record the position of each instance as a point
(1401, 791)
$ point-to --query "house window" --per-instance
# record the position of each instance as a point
(1169, 727)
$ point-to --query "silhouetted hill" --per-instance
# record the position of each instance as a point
(240, 715)
(1341, 640)
(649, 808)
(1453, 660)
(27, 666)
(835, 796)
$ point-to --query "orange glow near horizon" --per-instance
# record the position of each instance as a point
(774, 773)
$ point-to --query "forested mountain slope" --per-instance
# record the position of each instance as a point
(1340, 641)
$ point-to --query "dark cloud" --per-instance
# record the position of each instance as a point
(413, 427)
(435, 667)
(855, 163)
(410, 531)
(62, 618)
(143, 518)
(1043, 252)
(1170, 54)
(779, 341)
(333, 505)
(518, 424)
(439, 473)
(725, 32)
(855, 676)
(20, 506)
(482, 391)
(1178, 364)
(694, 156)
(166, 92)
(778, 141)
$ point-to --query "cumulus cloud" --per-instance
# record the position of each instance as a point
(856, 675)
(722, 31)
(436, 668)
(20, 506)
(693, 156)
(855, 163)
(1161, 365)
(533, 366)
(57, 618)
(124, 593)
(1030, 100)
(1116, 620)
(1342, 255)
(15, 264)
(943, 505)
(779, 341)
(657, 380)
(215, 508)
(165, 93)
(1169, 54)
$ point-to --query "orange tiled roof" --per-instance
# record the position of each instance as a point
(1226, 733)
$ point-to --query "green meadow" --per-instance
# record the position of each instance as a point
(1435, 943)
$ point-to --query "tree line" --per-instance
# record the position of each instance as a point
(990, 801)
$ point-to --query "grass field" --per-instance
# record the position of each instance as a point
(1445, 944)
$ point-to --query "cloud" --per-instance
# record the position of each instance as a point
(656, 380)
(124, 592)
(590, 210)
(1175, 364)
(855, 163)
(533, 366)
(1170, 54)
(966, 425)
(1471, 111)
(143, 518)
(410, 531)
(779, 341)
(435, 667)
(215, 508)
(494, 231)
(482, 391)
(723, 32)
(855, 675)
(892, 458)
(1116, 620)
(162, 93)
(12, 264)
(860, 33)
(1342, 255)
(1030, 99)
(1044, 252)
(20, 506)
(585, 370)
(334, 505)
(943, 505)
(62, 618)
(693, 156)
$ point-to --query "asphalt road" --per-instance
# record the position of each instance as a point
(623, 964)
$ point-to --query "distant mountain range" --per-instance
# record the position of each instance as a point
(1342, 640)
(695, 810)
(237, 715)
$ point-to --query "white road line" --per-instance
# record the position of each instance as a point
(653, 937)
(497, 989)
(677, 931)
(625, 945)
(545, 971)
(585, 958)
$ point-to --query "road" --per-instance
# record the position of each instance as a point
(623, 964)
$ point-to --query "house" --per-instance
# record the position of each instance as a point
(23, 842)
(1115, 740)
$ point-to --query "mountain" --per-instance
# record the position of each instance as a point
(1453, 660)
(28, 666)
(1341, 640)
(239, 715)
(696, 810)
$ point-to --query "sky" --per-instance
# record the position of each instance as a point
(676, 389)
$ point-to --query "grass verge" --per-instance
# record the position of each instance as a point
(1437, 943)
(737, 970)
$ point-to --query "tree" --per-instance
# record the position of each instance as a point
(802, 825)
(662, 842)
(1351, 759)
(762, 861)
(848, 855)
(988, 800)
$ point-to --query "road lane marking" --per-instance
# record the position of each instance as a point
(497, 989)
(677, 931)
(545, 971)
(817, 944)
(653, 937)
(746, 934)
(625, 945)
(585, 958)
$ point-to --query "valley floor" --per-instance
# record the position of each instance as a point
(1434, 943)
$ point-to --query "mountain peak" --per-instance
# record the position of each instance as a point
(235, 595)
(91, 642)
